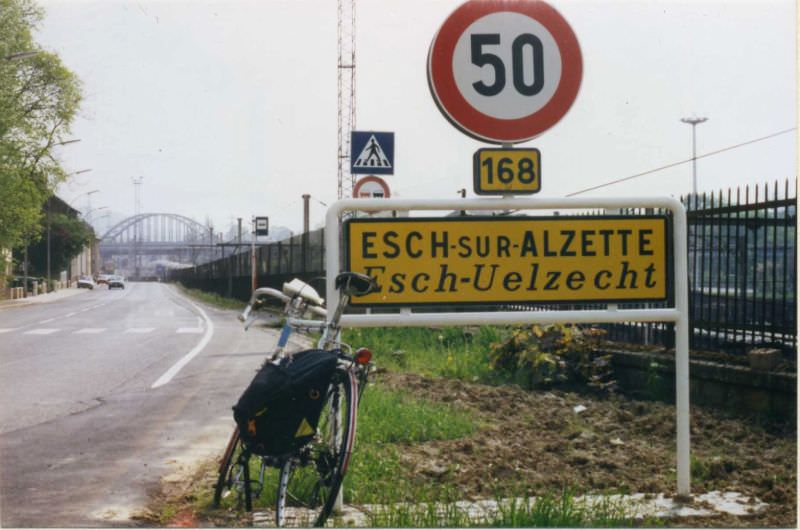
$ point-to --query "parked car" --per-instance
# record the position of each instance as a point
(85, 282)
(102, 278)
(116, 282)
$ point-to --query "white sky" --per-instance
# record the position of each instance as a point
(229, 108)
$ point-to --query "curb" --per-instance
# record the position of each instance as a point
(42, 298)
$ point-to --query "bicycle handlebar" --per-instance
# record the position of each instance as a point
(254, 298)
(269, 291)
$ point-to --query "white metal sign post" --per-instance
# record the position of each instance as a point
(678, 314)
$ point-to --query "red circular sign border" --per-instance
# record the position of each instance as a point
(371, 178)
(477, 124)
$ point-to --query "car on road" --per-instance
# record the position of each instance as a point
(102, 278)
(85, 282)
(116, 282)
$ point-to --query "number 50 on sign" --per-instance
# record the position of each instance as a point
(501, 171)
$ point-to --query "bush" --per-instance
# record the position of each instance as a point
(540, 357)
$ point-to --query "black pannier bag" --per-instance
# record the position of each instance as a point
(280, 409)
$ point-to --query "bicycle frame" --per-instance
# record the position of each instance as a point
(298, 302)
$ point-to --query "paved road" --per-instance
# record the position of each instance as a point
(106, 392)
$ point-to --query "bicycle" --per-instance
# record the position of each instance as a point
(310, 477)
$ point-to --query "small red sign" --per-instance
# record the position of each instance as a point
(371, 187)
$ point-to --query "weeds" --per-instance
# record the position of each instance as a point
(552, 510)
(212, 299)
(460, 353)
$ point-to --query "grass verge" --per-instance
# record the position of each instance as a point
(456, 352)
(562, 510)
(387, 420)
(212, 299)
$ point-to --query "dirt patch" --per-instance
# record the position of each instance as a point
(535, 442)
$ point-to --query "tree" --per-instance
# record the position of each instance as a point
(68, 236)
(39, 99)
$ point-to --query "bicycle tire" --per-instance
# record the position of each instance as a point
(234, 473)
(309, 481)
(224, 466)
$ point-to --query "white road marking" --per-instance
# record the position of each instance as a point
(69, 315)
(189, 330)
(41, 331)
(139, 330)
(46, 321)
(6, 330)
(86, 331)
(183, 361)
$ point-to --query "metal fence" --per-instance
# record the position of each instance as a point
(742, 272)
(742, 267)
(301, 256)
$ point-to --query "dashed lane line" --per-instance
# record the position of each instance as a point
(139, 330)
(89, 331)
(42, 331)
(189, 330)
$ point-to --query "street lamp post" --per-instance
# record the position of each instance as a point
(20, 55)
(693, 121)
(88, 215)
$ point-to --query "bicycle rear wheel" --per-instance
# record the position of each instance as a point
(310, 480)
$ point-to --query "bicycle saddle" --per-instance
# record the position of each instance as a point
(355, 284)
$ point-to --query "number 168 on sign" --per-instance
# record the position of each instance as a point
(506, 171)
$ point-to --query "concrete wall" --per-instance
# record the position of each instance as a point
(739, 389)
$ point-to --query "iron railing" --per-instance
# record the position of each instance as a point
(742, 272)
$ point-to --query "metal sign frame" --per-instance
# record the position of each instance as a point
(679, 314)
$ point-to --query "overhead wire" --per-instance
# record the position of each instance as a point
(617, 181)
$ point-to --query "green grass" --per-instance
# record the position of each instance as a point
(395, 416)
(449, 352)
(562, 510)
(212, 299)
(387, 420)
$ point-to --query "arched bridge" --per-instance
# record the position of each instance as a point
(136, 243)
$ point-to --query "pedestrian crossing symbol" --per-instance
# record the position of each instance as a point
(372, 153)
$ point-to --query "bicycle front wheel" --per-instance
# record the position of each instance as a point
(225, 478)
(234, 473)
(310, 480)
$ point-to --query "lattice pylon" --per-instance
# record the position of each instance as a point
(346, 82)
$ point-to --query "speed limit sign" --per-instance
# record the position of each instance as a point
(504, 71)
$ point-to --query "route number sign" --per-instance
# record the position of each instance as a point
(501, 260)
(504, 71)
(506, 171)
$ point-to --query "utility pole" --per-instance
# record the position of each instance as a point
(693, 121)
(49, 206)
(306, 197)
(304, 237)
(137, 228)
(253, 281)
